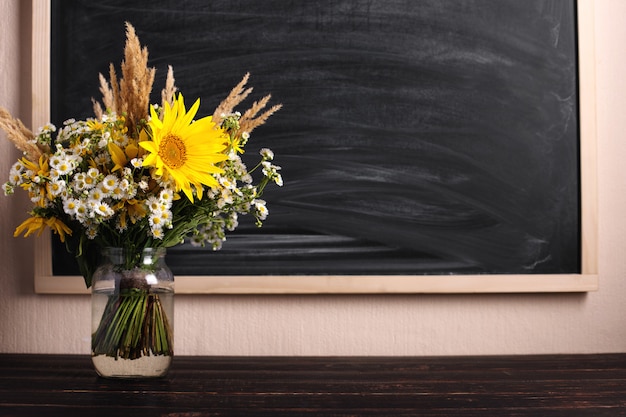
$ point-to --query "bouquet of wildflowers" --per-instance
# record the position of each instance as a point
(141, 176)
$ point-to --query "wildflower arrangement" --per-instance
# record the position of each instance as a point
(138, 175)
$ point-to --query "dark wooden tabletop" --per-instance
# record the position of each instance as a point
(543, 386)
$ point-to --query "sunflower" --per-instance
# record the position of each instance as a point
(184, 150)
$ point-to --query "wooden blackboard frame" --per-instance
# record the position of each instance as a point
(586, 280)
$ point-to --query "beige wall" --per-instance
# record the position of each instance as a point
(348, 325)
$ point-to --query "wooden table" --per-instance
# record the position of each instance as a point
(503, 386)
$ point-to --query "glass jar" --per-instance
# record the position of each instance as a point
(132, 297)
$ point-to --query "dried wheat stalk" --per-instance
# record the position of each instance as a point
(168, 92)
(249, 119)
(20, 135)
(130, 95)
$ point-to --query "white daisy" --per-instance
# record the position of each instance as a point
(261, 209)
(109, 183)
(70, 206)
(96, 194)
(104, 210)
(56, 187)
(267, 154)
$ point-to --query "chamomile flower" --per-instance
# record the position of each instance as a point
(8, 188)
(63, 163)
(109, 183)
(118, 193)
(56, 187)
(97, 194)
(81, 212)
(70, 206)
(155, 220)
(16, 172)
(91, 178)
(166, 196)
(266, 154)
(226, 198)
(156, 232)
(154, 204)
(78, 183)
(278, 179)
(91, 232)
(271, 171)
(261, 208)
(166, 218)
(227, 183)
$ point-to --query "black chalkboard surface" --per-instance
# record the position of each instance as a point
(417, 137)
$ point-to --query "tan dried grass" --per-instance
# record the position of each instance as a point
(168, 92)
(20, 135)
(249, 119)
(130, 95)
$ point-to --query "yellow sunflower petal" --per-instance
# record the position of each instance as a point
(154, 117)
(188, 152)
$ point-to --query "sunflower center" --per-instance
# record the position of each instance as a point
(172, 151)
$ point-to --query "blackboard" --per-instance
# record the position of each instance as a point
(417, 137)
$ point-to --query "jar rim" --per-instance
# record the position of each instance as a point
(121, 250)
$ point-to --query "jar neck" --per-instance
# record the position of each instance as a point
(146, 258)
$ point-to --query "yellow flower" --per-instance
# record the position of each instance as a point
(36, 186)
(117, 156)
(94, 124)
(30, 226)
(184, 150)
(236, 144)
(136, 210)
(38, 224)
(58, 227)
(40, 168)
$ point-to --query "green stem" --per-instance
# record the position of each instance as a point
(133, 324)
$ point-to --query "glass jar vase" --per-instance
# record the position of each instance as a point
(132, 314)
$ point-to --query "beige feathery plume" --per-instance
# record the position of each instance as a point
(130, 94)
(107, 99)
(249, 119)
(167, 94)
(236, 96)
(137, 80)
(19, 134)
(113, 95)
(97, 109)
